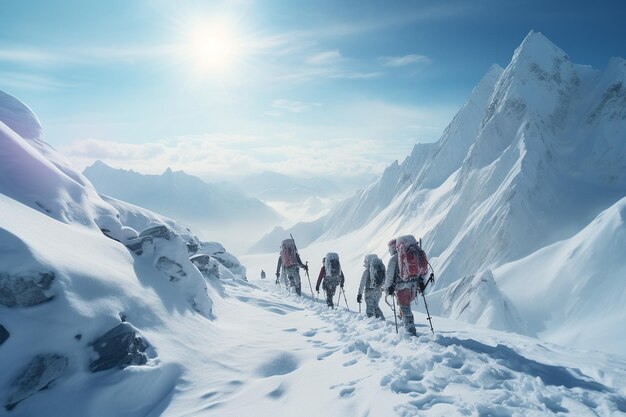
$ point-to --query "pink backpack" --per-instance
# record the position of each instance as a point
(412, 261)
(288, 253)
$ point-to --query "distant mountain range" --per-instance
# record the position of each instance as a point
(180, 196)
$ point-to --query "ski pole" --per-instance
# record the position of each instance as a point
(428, 314)
(395, 316)
(338, 298)
(344, 298)
(306, 270)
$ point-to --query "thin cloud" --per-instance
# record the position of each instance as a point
(31, 82)
(293, 106)
(324, 58)
(30, 56)
(402, 61)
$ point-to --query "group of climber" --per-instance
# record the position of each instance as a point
(405, 276)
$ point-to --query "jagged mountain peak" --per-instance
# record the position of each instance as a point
(537, 47)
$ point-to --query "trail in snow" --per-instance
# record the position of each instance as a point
(281, 354)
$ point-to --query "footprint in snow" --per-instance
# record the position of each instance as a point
(350, 363)
(346, 392)
(281, 364)
(310, 333)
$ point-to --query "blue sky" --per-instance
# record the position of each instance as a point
(223, 88)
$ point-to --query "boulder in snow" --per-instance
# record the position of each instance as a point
(209, 267)
(4, 334)
(136, 244)
(42, 371)
(159, 231)
(25, 291)
(120, 347)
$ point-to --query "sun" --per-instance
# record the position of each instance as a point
(212, 46)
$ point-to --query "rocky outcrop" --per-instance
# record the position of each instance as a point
(120, 347)
(42, 371)
(26, 290)
(4, 334)
(209, 267)
(159, 231)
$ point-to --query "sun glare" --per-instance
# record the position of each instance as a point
(213, 46)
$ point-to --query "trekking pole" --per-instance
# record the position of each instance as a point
(428, 314)
(306, 270)
(395, 316)
(338, 298)
(344, 298)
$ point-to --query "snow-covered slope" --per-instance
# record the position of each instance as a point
(584, 275)
(532, 158)
(82, 292)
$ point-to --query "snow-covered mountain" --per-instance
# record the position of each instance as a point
(531, 159)
(179, 195)
(208, 208)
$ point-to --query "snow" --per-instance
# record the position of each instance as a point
(584, 275)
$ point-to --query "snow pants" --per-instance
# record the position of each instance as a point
(405, 295)
(330, 286)
(372, 298)
(293, 277)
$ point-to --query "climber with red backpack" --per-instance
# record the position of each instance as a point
(372, 281)
(290, 262)
(406, 272)
(330, 276)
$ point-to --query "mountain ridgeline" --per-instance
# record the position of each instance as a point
(179, 195)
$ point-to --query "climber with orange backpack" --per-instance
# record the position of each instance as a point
(406, 272)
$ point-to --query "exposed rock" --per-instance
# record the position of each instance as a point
(207, 266)
(108, 234)
(43, 370)
(160, 231)
(120, 347)
(25, 291)
(192, 247)
(136, 244)
(4, 334)
(172, 269)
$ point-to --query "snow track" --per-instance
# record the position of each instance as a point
(302, 358)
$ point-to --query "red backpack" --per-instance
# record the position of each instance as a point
(412, 261)
(288, 253)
